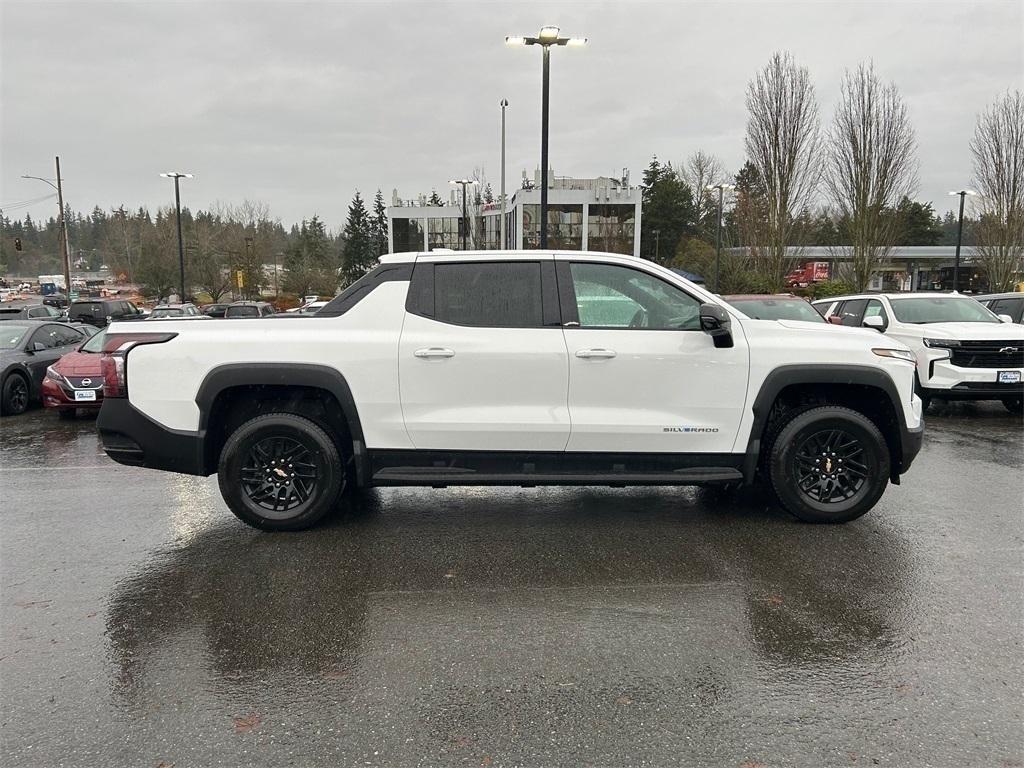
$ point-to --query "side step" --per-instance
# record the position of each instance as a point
(441, 476)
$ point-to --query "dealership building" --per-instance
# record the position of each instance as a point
(599, 214)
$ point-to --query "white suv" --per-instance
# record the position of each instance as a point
(964, 351)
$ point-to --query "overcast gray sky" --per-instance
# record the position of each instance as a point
(300, 104)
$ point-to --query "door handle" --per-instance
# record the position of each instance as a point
(603, 354)
(432, 352)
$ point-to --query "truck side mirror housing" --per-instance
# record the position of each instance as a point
(717, 324)
(1005, 318)
(876, 322)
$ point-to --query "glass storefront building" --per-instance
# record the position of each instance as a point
(583, 214)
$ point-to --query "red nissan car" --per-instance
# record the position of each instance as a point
(75, 381)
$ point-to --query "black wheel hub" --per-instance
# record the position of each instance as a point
(18, 396)
(279, 474)
(830, 466)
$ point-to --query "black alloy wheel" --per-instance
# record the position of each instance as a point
(828, 464)
(281, 472)
(15, 396)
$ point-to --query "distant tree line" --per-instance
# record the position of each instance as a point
(226, 248)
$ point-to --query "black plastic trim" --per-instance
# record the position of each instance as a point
(286, 374)
(435, 467)
(788, 375)
(130, 437)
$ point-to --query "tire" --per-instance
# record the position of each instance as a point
(1014, 405)
(829, 465)
(66, 414)
(15, 395)
(254, 457)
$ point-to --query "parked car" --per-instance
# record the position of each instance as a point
(774, 307)
(101, 312)
(76, 380)
(513, 368)
(56, 300)
(1009, 304)
(964, 351)
(30, 312)
(214, 310)
(307, 309)
(175, 311)
(248, 309)
(27, 349)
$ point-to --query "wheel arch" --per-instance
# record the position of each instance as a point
(867, 390)
(294, 386)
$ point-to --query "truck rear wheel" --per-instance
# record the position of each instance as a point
(280, 472)
(829, 465)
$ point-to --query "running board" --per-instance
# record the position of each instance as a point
(443, 476)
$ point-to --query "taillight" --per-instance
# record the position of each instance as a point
(114, 365)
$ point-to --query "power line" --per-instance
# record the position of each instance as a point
(27, 203)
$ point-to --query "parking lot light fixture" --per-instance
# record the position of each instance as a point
(963, 193)
(718, 230)
(548, 36)
(177, 176)
(465, 220)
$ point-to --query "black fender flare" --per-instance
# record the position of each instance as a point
(287, 374)
(826, 373)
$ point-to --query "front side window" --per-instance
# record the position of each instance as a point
(610, 296)
(875, 309)
(489, 295)
(46, 336)
(852, 312)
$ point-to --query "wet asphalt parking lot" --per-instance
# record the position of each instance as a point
(143, 625)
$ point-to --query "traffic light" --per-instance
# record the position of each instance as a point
(17, 243)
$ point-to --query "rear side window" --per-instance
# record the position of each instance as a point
(243, 311)
(489, 295)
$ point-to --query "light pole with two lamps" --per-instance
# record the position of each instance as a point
(718, 231)
(963, 193)
(548, 37)
(181, 246)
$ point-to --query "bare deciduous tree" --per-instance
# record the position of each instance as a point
(782, 143)
(872, 164)
(998, 151)
(700, 171)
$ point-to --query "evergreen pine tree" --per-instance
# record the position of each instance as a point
(379, 224)
(435, 199)
(359, 250)
(488, 194)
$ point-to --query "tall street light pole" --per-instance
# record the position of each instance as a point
(718, 231)
(465, 219)
(181, 245)
(548, 37)
(62, 227)
(504, 243)
(959, 236)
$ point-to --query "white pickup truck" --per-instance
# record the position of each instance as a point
(519, 369)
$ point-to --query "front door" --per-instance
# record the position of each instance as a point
(643, 377)
(482, 361)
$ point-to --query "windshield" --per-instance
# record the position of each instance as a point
(167, 312)
(95, 344)
(11, 335)
(777, 309)
(940, 309)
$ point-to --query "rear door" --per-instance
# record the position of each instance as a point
(643, 376)
(482, 361)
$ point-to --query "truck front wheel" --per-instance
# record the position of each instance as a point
(829, 465)
(280, 472)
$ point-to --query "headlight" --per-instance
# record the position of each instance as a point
(942, 343)
(54, 376)
(897, 354)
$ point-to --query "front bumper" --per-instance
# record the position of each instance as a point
(56, 396)
(130, 437)
(943, 379)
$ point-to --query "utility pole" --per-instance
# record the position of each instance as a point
(181, 246)
(959, 236)
(64, 234)
(504, 241)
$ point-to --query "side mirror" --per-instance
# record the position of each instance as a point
(38, 346)
(835, 319)
(876, 322)
(1005, 318)
(717, 324)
